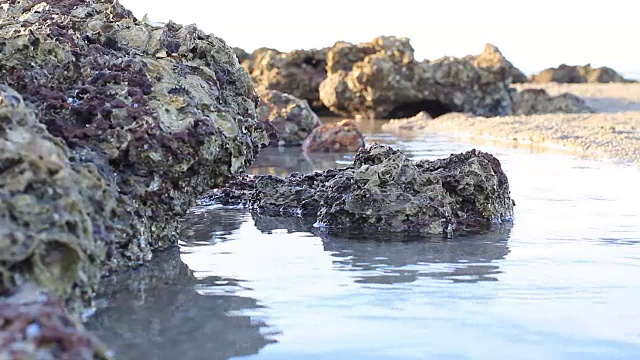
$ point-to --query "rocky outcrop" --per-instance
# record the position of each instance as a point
(298, 73)
(289, 120)
(578, 74)
(492, 60)
(538, 101)
(391, 83)
(35, 325)
(343, 136)
(123, 124)
(384, 191)
(241, 54)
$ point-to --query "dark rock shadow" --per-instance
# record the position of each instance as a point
(155, 312)
(434, 108)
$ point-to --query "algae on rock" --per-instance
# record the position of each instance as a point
(384, 191)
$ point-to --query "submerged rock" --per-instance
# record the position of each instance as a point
(384, 191)
(578, 74)
(139, 120)
(34, 325)
(538, 101)
(343, 136)
(386, 81)
(290, 119)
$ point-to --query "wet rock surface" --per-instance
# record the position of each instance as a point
(343, 136)
(288, 119)
(144, 118)
(34, 325)
(386, 81)
(578, 74)
(538, 101)
(384, 191)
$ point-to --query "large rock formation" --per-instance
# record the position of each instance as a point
(288, 120)
(384, 191)
(123, 124)
(298, 73)
(382, 79)
(578, 74)
(538, 101)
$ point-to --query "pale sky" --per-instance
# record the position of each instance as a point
(531, 34)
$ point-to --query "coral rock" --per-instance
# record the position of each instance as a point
(538, 101)
(343, 136)
(289, 119)
(384, 191)
(578, 74)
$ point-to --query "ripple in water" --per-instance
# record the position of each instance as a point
(562, 283)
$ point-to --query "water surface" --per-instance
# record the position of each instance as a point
(561, 282)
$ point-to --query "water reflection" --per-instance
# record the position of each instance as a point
(284, 161)
(157, 312)
(387, 261)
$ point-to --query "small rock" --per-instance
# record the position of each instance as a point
(290, 119)
(343, 136)
(538, 101)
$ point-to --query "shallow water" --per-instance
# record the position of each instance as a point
(563, 282)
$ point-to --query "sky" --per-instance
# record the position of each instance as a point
(533, 35)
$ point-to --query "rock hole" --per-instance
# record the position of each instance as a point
(434, 108)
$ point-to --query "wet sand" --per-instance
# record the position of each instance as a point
(612, 133)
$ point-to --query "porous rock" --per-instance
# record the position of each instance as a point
(289, 120)
(34, 325)
(343, 136)
(538, 101)
(578, 74)
(298, 72)
(140, 119)
(388, 82)
(384, 191)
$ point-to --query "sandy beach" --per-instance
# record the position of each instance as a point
(613, 132)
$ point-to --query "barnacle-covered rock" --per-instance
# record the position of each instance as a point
(386, 81)
(288, 120)
(384, 191)
(343, 136)
(162, 112)
(538, 101)
(56, 215)
(34, 325)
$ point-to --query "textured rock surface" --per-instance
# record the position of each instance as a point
(391, 83)
(138, 121)
(33, 325)
(298, 73)
(343, 136)
(384, 191)
(289, 119)
(538, 101)
(578, 74)
(56, 216)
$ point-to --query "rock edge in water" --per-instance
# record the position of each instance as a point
(384, 191)
(111, 129)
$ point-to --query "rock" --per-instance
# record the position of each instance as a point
(492, 60)
(343, 136)
(391, 83)
(33, 325)
(140, 120)
(578, 74)
(290, 120)
(241, 54)
(538, 101)
(384, 191)
(414, 123)
(298, 73)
